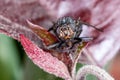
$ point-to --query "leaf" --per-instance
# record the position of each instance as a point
(43, 34)
(94, 70)
(76, 57)
(44, 59)
(14, 29)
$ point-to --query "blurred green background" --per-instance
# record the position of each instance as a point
(15, 65)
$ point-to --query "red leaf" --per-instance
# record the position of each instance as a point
(44, 59)
(43, 34)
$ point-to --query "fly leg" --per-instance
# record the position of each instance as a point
(58, 45)
(81, 39)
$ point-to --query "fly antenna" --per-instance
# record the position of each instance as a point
(92, 26)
